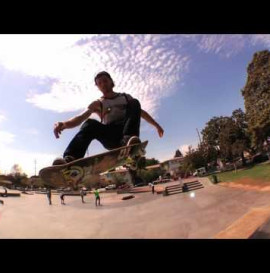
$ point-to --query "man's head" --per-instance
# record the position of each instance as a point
(104, 81)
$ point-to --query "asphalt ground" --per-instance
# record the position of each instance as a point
(212, 212)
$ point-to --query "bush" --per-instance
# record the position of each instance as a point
(150, 175)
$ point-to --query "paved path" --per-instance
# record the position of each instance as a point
(212, 210)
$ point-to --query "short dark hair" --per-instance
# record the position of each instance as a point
(104, 73)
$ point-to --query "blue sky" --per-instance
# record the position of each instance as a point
(181, 80)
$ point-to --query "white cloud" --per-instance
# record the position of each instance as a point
(25, 159)
(224, 45)
(31, 131)
(229, 45)
(164, 156)
(141, 65)
(146, 66)
(11, 156)
(261, 39)
(184, 149)
(2, 118)
(5, 138)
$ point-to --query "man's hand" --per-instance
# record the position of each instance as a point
(160, 131)
(73, 122)
(149, 119)
(58, 128)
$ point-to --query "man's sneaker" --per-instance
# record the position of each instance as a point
(129, 140)
(59, 161)
(69, 158)
(133, 140)
(62, 161)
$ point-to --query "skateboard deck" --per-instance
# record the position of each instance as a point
(87, 170)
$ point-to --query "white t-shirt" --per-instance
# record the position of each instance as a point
(114, 109)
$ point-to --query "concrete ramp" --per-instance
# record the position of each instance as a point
(205, 181)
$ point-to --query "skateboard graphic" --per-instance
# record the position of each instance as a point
(87, 170)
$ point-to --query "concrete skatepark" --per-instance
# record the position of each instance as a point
(212, 212)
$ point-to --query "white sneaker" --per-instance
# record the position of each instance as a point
(133, 140)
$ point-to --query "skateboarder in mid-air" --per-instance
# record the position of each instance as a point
(120, 116)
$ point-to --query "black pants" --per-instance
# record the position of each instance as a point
(98, 201)
(109, 136)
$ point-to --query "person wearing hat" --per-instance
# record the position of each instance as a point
(120, 115)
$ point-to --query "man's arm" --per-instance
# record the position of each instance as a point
(77, 120)
(150, 120)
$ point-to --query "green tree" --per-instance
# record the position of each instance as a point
(212, 131)
(256, 93)
(209, 153)
(150, 175)
(151, 161)
(19, 179)
(212, 137)
(243, 138)
(193, 160)
(226, 138)
(178, 153)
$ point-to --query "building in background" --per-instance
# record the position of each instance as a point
(172, 167)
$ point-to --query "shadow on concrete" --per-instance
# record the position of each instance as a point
(263, 232)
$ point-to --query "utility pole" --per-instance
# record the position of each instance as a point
(199, 136)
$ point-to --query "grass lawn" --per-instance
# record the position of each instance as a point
(260, 172)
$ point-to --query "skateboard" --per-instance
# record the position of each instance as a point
(87, 170)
